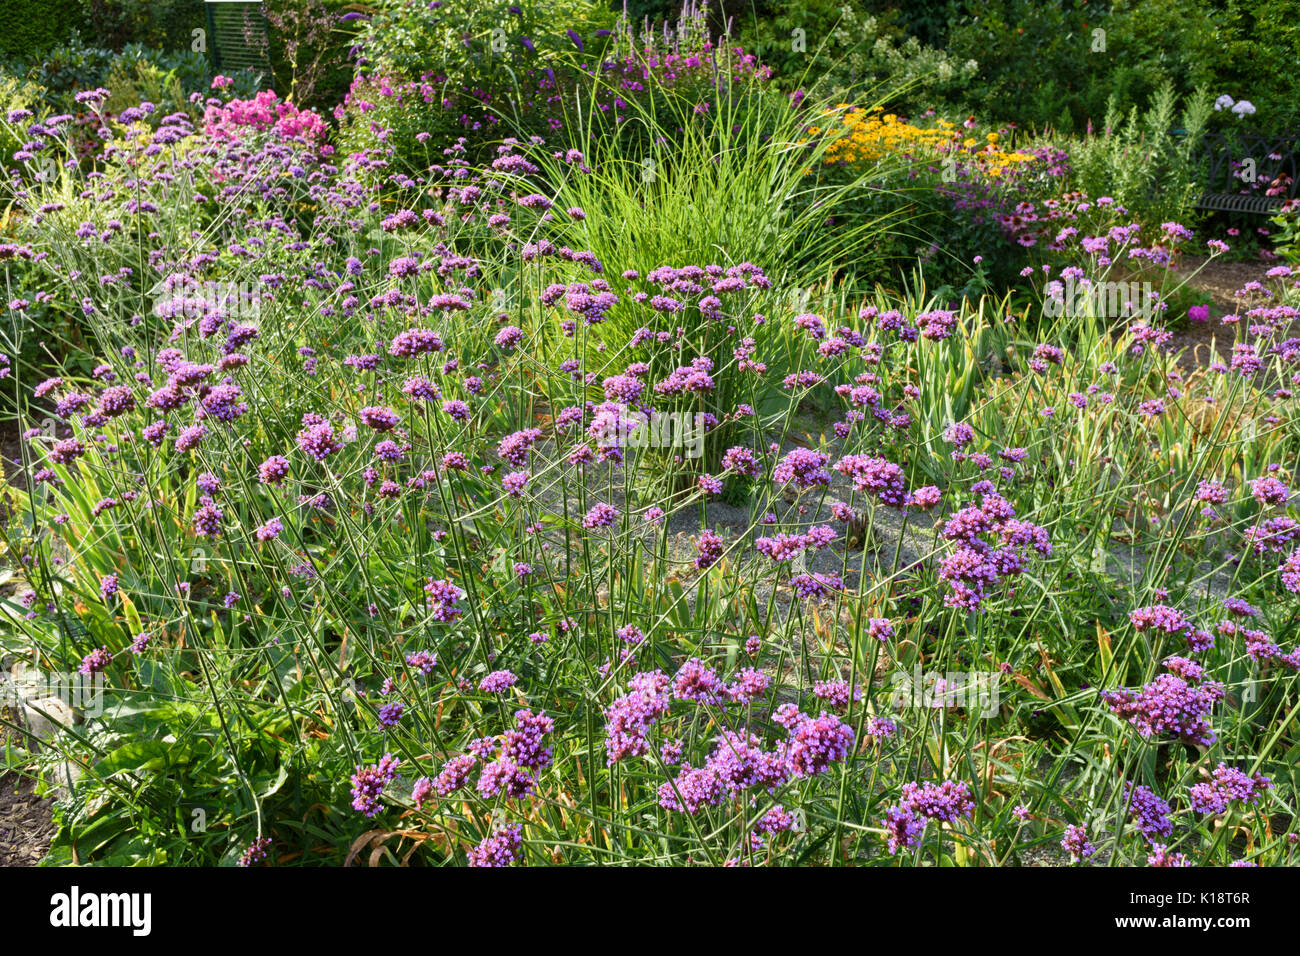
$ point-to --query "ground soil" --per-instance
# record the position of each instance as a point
(1207, 342)
(26, 827)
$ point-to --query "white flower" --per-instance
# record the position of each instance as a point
(1223, 102)
(1244, 108)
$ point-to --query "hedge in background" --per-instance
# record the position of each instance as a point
(30, 26)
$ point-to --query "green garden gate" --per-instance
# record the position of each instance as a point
(239, 38)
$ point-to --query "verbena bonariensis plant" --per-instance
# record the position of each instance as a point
(349, 515)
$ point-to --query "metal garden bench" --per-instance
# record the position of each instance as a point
(1223, 155)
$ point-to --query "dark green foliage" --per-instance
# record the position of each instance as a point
(31, 26)
(1038, 65)
(166, 25)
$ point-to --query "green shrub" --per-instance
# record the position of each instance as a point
(837, 47)
(309, 51)
(468, 69)
(1059, 63)
(29, 27)
(479, 44)
(1253, 56)
(130, 84)
(165, 25)
(1137, 159)
(76, 65)
(1035, 60)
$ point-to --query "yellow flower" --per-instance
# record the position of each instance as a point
(863, 136)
